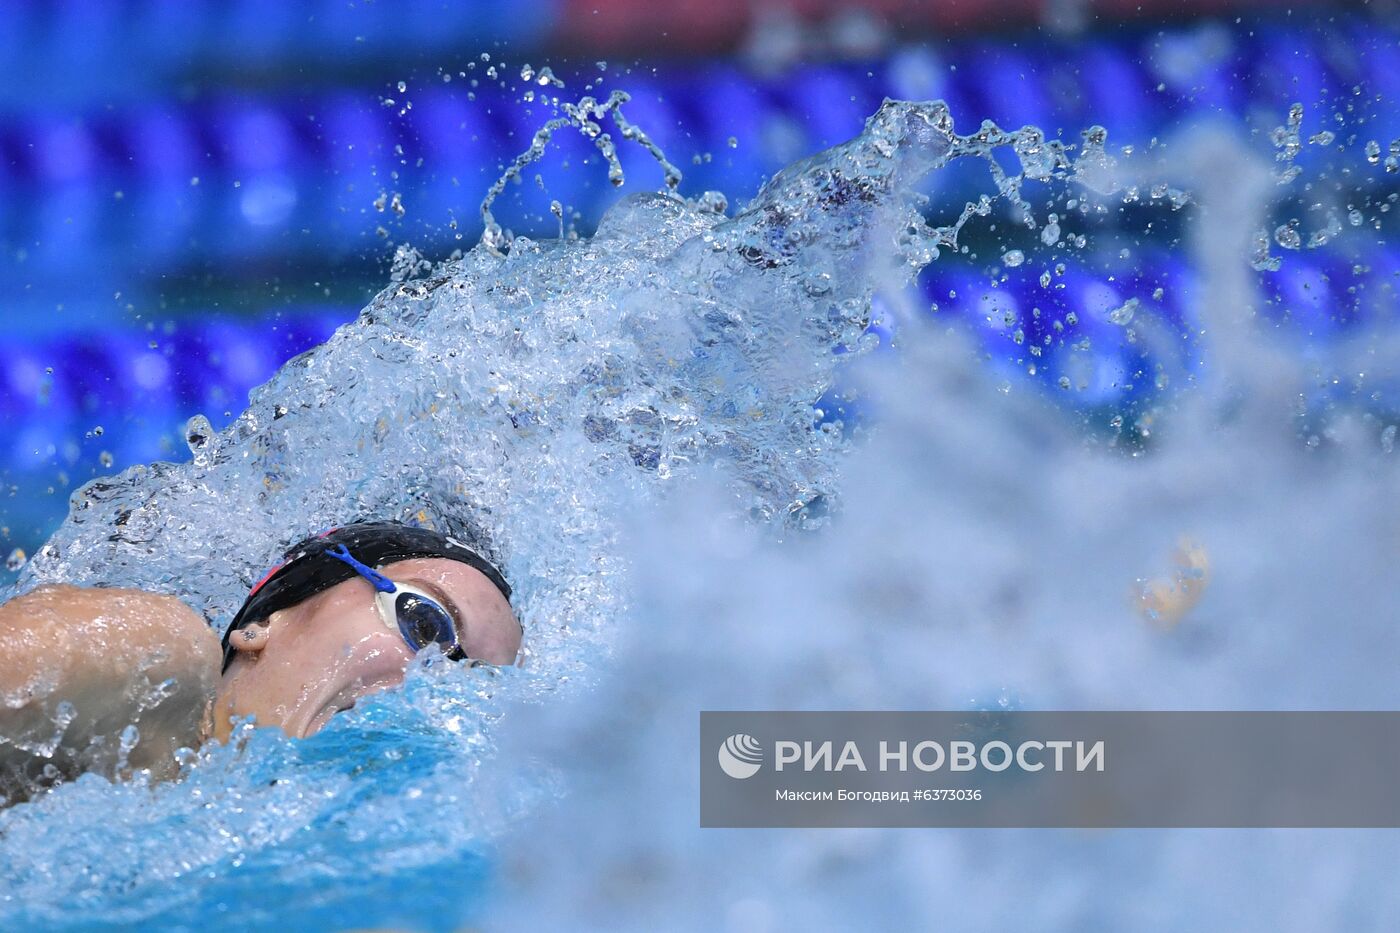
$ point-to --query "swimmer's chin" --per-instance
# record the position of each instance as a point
(344, 699)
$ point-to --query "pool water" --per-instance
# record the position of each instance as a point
(628, 421)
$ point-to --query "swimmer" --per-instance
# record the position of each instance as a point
(340, 618)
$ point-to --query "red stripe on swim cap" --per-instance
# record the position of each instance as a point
(271, 573)
(268, 576)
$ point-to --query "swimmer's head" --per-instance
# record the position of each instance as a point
(344, 614)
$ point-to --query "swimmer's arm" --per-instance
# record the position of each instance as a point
(104, 660)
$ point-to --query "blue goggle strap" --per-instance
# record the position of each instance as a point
(381, 583)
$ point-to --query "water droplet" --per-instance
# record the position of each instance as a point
(198, 431)
(127, 741)
(1287, 237)
(1373, 152)
(1388, 439)
(105, 458)
(17, 558)
(733, 142)
(1013, 258)
(1123, 315)
(1259, 257)
(403, 86)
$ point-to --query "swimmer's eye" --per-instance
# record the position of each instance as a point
(421, 619)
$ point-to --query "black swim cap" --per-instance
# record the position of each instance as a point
(306, 569)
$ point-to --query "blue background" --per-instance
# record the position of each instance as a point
(188, 189)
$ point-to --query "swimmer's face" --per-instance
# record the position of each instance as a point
(302, 665)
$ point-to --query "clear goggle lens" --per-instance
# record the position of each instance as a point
(420, 619)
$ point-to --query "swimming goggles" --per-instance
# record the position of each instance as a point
(307, 569)
(417, 615)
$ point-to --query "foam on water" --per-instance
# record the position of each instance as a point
(626, 422)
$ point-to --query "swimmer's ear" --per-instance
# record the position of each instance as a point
(251, 639)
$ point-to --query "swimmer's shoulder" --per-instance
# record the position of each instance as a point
(57, 623)
(82, 664)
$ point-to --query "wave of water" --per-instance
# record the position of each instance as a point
(626, 422)
(992, 553)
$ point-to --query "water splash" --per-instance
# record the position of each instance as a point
(626, 424)
(583, 116)
(1232, 564)
(526, 401)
